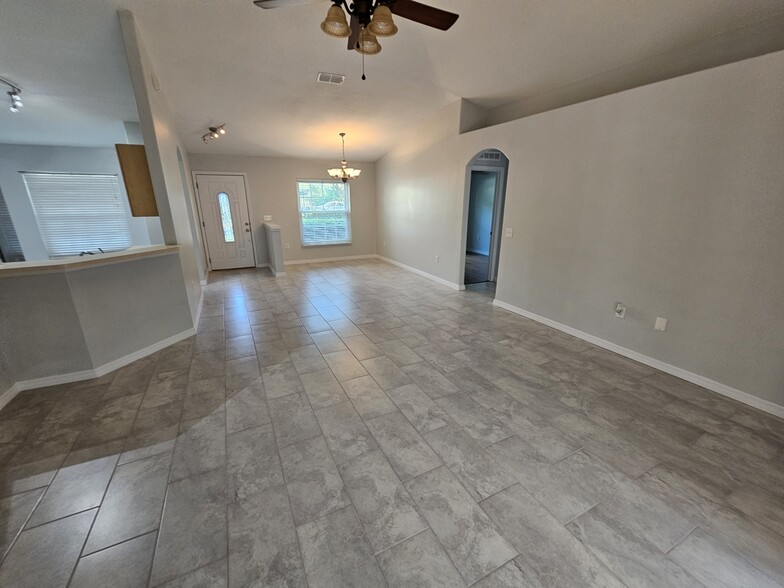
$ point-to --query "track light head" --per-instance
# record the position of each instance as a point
(16, 99)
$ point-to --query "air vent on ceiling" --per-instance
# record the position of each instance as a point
(490, 155)
(330, 78)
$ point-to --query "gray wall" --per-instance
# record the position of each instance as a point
(63, 322)
(668, 197)
(163, 145)
(272, 190)
(16, 158)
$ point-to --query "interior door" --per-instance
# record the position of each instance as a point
(223, 203)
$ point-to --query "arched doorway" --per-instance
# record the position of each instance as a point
(483, 215)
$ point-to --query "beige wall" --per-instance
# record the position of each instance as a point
(272, 191)
(668, 197)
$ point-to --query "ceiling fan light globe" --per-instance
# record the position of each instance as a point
(335, 25)
(382, 24)
(367, 44)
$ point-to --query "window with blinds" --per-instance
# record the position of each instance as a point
(10, 249)
(324, 212)
(78, 212)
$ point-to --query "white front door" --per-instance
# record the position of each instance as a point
(224, 214)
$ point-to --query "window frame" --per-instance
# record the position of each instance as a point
(347, 212)
(39, 201)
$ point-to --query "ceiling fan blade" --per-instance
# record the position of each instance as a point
(280, 3)
(354, 38)
(424, 14)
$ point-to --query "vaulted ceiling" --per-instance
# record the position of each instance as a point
(227, 61)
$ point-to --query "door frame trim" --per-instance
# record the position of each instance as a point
(500, 192)
(244, 175)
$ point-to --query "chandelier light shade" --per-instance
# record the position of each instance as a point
(367, 44)
(344, 173)
(382, 24)
(335, 25)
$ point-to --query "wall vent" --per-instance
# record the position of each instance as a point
(494, 155)
(330, 78)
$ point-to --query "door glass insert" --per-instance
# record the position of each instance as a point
(226, 221)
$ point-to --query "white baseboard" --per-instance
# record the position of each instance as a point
(97, 372)
(262, 265)
(326, 259)
(718, 387)
(419, 272)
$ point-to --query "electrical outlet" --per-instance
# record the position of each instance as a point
(620, 310)
(267, 217)
(286, 245)
(438, 258)
(510, 232)
(661, 324)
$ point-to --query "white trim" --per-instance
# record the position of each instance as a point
(718, 387)
(198, 309)
(93, 373)
(262, 265)
(326, 259)
(414, 270)
(9, 395)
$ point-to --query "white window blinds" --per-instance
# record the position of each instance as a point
(324, 212)
(78, 212)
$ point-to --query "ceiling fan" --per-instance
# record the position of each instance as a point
(371, 19)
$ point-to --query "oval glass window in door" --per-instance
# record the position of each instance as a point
(227, 222)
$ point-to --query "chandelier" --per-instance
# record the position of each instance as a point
(344, 173)
(374, 18)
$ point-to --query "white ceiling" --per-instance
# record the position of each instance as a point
(229, 61)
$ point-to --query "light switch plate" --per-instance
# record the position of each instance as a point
(661, 324)
(509, 232)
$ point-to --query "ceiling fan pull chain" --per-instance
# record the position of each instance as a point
(363, 68)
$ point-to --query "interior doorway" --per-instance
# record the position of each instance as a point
(484, 210)
(225, 220)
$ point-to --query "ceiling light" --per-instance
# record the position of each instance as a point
(214, 133)
(335, 24)
(15, 94)
(344, 173)
(367, 43)
(382, 24)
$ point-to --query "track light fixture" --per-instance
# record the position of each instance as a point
(215, 133)
(15, 94)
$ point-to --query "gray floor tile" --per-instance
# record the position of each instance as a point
(293, 419)
(204, 397)
(368, 398)
(281, 380)
(214, 575)
(406, 450)
(478, 471)
(419, 562)
(760, 505)
(78, 485)
(253, 463)
(308, 359)
(247, 408)
(418, 408)
(432, 382)
(477, 421)
(633, 560)
(713, 564)
(133, 502)
(557, 557)
(296, 337)
(322, 388)
(344, 365)
(190, 537)
(46, 555)
(271, 352)
(346, 434)
(263, 549)
(200, 446)
(386, 373)
(126, 565)
(240, 373)
(242, 346)
(314, 485)
(399, 353)
(515, 574)
(386, 510)
(469, 537)
(336, 554)
(328, 342)
(14, 511)
(362, 347)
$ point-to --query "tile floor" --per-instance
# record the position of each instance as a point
(356, 425)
